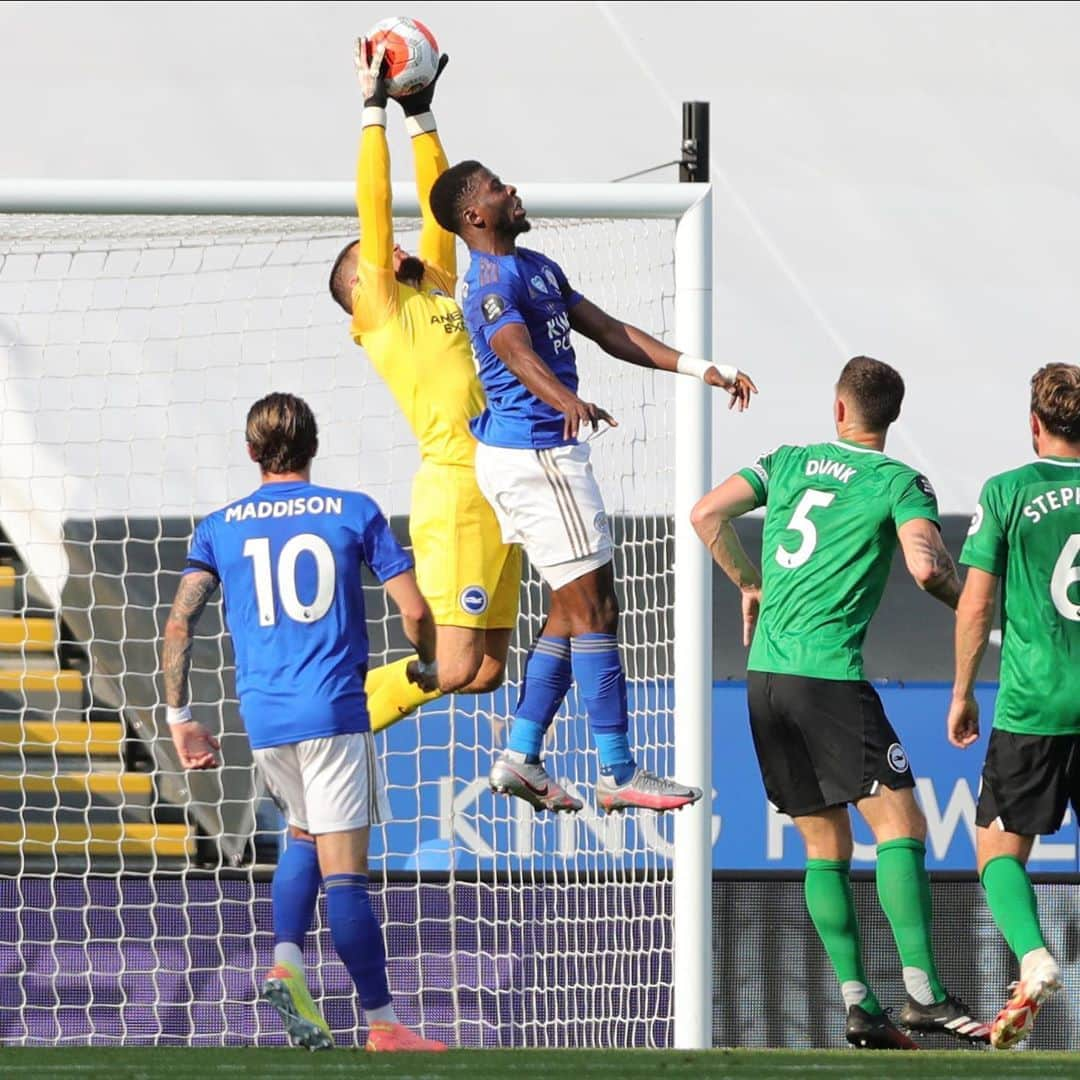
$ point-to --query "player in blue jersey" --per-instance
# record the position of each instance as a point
(520, 311)
(288, 558)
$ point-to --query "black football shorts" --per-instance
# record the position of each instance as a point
(822, 742)
(1028, 782)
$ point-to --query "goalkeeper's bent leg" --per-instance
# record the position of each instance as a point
(392, 696)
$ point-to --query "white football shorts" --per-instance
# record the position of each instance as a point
(326, 785)
(549, 502)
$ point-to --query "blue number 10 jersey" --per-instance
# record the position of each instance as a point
(289, 560)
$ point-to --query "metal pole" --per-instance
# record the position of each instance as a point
(692, 879)
(694, 167)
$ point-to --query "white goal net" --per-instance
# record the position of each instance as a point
(134, 900)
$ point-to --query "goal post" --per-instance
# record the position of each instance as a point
(687, 709)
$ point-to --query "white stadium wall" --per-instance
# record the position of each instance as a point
(894, 179)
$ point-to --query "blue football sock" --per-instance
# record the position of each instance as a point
(294, 891)
(602, 686)
(546, 681)
(357, 937)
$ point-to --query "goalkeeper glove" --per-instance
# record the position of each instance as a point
(370, 71)
(418, 103)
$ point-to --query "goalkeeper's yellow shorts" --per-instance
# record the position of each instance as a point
(468, 575)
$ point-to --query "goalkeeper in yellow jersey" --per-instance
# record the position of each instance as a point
(405, 317)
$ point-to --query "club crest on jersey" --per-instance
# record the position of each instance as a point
(538, 283)
(473, 599)
(492, 306)
(897, 758)
(976, 520)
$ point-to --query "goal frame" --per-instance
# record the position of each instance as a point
(689, 205)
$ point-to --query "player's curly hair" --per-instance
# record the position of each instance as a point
(449, 192)
(874, 389)
(340, 283)
(282, 433)
(1055, 399)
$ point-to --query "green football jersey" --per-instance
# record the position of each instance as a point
(1026, 531)
(832, 511)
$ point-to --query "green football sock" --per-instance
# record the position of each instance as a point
(1013, 905)
(904, 893)
(832, 910)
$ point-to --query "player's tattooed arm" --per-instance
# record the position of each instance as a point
(974, 617)
(928, 560)
(712, 520)
(194, 591)
(513, 347)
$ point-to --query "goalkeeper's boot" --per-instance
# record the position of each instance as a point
(530, 781)
(948, 1017)
(286, 989)
(870, 1032)
(384, 1037)
(644, 791)
(1014, 1023)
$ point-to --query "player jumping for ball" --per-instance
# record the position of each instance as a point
(405, 316)
(288, 558)
(834, 513)
(520, 311)
(1025, 533)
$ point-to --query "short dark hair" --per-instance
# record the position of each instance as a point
(282, 433)
(875, 390)
(340, 285)
(1055, 399)
(449, 192)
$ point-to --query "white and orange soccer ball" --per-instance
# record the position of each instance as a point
(412, 53)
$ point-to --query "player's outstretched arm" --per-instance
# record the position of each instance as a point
(635, 346)
(513, 347)
(195, 746)
(928, 560)
(419, 625)
(378, 290)
(437, 246)
(974, 617)
(712, 518)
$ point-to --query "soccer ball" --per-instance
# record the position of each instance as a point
(412, 53)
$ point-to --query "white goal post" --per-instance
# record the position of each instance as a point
(689, 208)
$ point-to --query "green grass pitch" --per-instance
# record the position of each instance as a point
(147, 1063)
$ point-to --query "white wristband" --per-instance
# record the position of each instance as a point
(177, 716)
(694, 365)
(373, 116)
(421, 124)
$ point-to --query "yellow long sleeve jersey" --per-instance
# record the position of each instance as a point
(416, 338)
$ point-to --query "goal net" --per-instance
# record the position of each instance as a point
(134, 899)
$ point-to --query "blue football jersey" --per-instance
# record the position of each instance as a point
(289, 558)
(531, 289)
